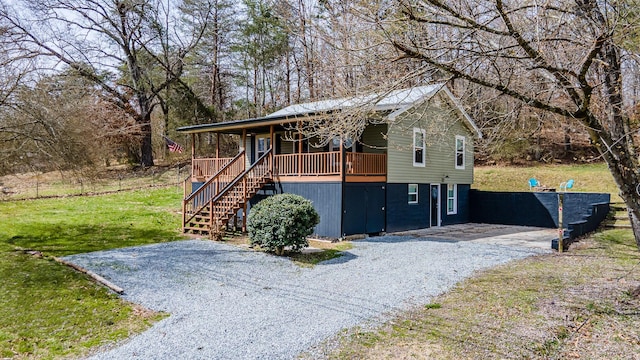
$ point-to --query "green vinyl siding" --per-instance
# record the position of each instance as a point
(373, 140)
(314, 145)
(441, 123)
(287, 146)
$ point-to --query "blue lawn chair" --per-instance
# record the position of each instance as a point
(533, 183)
(566, 185)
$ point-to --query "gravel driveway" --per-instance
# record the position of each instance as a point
(229, 303)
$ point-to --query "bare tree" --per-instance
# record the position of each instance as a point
(128, 48)
(60, 123)
(560, 56)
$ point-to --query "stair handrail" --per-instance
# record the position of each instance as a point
(205, 186)
(241, 176)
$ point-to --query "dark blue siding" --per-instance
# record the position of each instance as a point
(363, 208)
(404, 216)
(195, 186)
(202, 198)
(326, 198)
(462, 215)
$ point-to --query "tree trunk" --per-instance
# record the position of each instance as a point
(624, 174)
(635, 225)
(146, 148)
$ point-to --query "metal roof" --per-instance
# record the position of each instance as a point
(384, 101)
(397, 101)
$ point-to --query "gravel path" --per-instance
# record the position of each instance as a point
(229, 303)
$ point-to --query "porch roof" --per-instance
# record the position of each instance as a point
(395, 101)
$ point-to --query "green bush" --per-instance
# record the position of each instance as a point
(282, 220)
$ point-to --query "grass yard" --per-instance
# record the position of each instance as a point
(588, 178)
(62, 183)
(48, 310)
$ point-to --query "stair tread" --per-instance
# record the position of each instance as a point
(618, 226)
(227, 205)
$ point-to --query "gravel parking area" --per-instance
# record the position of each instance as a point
(229, 303)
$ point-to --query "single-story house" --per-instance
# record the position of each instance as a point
(411, 167)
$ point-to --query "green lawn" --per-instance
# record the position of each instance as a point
(48, 310)
(588, 178)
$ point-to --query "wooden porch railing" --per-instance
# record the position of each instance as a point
(200, 198)
(366, 164)
(207, 167)
(306, 164)
(328, 163)
(318, 164)
(244, 187)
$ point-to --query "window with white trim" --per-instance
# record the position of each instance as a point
(334, 144)
(460, 152)
(452, 199)
(413, 193)
(419, 146)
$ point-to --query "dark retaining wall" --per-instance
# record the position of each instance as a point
(582, 212)
(514, 208)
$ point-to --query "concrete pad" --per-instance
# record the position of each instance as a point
(539, 239)
(504, 235)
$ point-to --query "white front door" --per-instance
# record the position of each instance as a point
(263, 143)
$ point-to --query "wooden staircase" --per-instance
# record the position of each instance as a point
(208, 210)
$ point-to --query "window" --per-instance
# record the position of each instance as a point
(452, 201)
(419, 138)
(459, 152)
(334, 145)
(413, 193)
(348, 143)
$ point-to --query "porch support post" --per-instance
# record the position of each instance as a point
(217, 145)
(243, 143)
(193, 154)
(244, 216)
(299, 148)
(244, 181)
(245, 199)
(342, 159)
(193, 146)
(272, 136)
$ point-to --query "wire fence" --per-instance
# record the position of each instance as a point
(59, 184)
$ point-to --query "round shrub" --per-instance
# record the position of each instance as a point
(282, 220)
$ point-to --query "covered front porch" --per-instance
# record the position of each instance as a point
(318, 166)
(295, 159)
